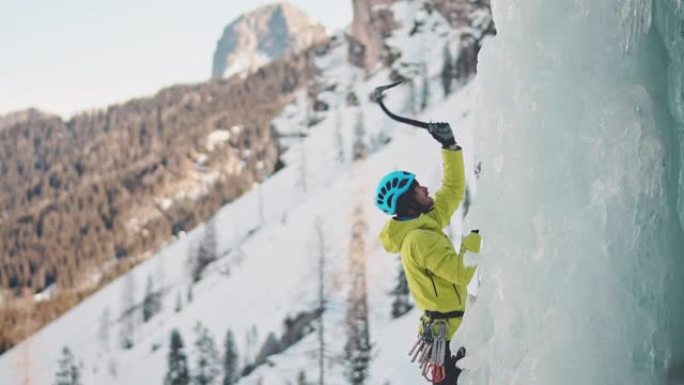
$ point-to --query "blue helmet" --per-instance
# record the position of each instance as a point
(390, 188)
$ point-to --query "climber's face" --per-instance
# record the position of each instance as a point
(422, 198)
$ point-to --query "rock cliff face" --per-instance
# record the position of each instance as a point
(373, 22)
(260, 36)
(458, 12)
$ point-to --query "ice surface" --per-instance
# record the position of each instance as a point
(669, 21)
(582, 274)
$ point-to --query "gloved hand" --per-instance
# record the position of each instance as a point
(442, 133)
(472, 242)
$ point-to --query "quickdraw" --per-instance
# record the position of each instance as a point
(430, 350)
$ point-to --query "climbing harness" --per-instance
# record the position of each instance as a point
(430, 349)
(377, 96)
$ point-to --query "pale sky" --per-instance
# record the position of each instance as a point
(66, 56)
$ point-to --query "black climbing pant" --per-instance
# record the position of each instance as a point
(451, 372)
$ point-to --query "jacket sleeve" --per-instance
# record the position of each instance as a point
(451, 193)
(440, 258)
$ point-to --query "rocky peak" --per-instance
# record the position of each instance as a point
(373, 21)
(262, 35)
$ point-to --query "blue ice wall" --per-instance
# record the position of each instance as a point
(580, 111)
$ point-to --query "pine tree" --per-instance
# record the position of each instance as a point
(103, 331)
(425, 90)
(260, 200)
(191, 260)
(206, 253)
(360, 149)
(206, 357)
(465, 55)
(411, 97)
(339, 139)
(251, 338)
(68, 373)
(358, 346)
(401, 304)
(179, 302)
(447, 74)
(303, 166)
(112, 367)
(127, 330)
(177, 371)
(151, 303)
(303, 173)
(378, 141)
(230, 360)
(301, 378)
(322, 300)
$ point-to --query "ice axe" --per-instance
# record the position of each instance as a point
(378, 95)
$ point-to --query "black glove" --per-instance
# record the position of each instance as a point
(442, 133)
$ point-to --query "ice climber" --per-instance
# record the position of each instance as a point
(436, 275)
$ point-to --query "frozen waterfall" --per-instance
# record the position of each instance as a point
(581, 111)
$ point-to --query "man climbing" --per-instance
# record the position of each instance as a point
(436, 275)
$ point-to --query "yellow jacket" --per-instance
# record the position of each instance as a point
(435, 272)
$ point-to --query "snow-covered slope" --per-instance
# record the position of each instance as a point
(270, 247)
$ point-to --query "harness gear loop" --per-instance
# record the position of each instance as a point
(431, 345)
(437, 358)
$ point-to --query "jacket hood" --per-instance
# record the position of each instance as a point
(394, 231)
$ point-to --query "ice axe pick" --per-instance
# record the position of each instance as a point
(378, 95)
